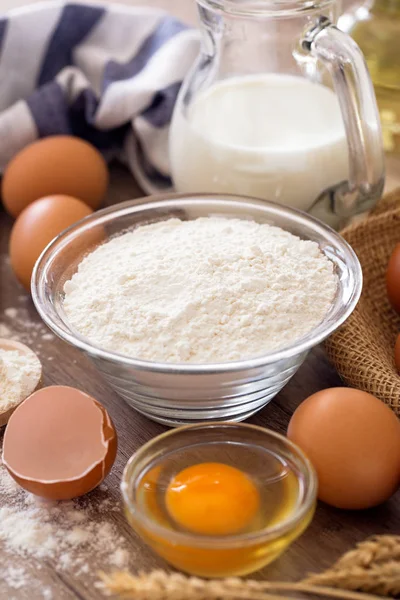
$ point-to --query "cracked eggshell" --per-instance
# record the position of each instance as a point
(60, 443)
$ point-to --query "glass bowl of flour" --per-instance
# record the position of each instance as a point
(197, 308)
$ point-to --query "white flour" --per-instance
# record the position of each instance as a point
(207, 290)
(19, 375)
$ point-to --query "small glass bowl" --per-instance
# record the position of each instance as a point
(236, 445)
(178, 394)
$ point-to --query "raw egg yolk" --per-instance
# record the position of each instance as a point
(212, 499)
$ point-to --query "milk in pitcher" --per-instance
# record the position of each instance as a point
(272, 136)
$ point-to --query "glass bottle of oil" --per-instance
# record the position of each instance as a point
(376, 29)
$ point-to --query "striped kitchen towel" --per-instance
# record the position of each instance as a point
(108, 74)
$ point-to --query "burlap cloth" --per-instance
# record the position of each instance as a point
(362, 350)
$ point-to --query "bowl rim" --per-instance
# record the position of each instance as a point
(164, 201)
(299, 512)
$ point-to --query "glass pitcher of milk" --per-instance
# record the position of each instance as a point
(279, 105)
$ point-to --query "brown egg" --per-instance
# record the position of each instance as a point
(54, 165)
(353, 441)
(393, 279)
(397, 353)
(60, 443)
(36, 226)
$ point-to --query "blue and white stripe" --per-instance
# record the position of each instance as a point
(107, 74)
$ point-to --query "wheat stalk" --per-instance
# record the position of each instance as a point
(371, 570)
(373, 566)
(159, 585)
(377, 549)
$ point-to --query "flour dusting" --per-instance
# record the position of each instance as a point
(65, 533)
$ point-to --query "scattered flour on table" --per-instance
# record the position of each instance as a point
(5, 332)
(18, 323)
(11, 313)
(16, 577)
(66, 533)
(8, 487)
(206, 290)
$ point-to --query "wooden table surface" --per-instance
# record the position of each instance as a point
(331, 533)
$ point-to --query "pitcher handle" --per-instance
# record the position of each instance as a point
(356, 95)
